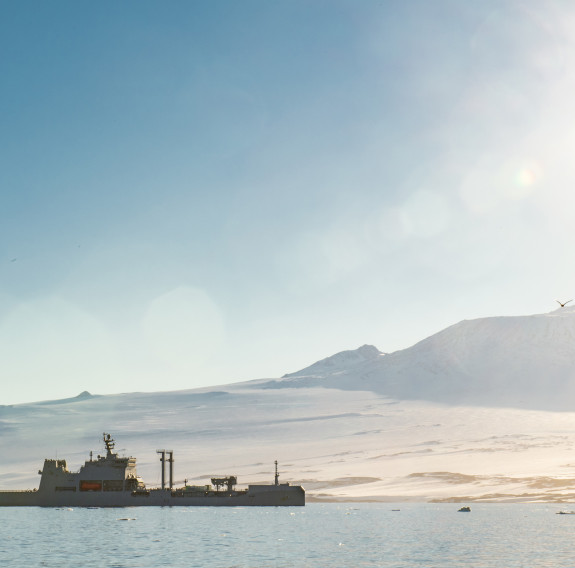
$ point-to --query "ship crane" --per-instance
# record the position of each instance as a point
(228, 481)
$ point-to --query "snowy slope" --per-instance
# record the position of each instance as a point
(341, 445)
(522, 362)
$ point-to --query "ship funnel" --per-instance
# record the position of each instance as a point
(170, 460)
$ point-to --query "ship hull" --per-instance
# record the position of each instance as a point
(268, 496)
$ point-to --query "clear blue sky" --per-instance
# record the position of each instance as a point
(202, 192)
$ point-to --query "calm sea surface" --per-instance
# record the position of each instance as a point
(493, 535)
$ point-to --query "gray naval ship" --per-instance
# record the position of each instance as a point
(112, 481)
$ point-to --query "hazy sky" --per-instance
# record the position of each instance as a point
(202, 192)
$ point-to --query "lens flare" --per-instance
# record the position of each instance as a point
(527, 176)
(525, 180)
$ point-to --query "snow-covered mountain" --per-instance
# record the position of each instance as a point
(371, 435)
(521, 362)
(345, 362)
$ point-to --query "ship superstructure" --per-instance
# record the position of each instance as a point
(106, 473)
(112, 481)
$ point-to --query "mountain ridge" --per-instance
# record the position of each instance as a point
(515, 361)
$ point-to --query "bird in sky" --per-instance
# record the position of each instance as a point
(563, 304)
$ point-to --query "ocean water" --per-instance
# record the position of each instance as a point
(330, 535)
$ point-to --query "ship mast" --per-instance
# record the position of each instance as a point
(109, 442)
